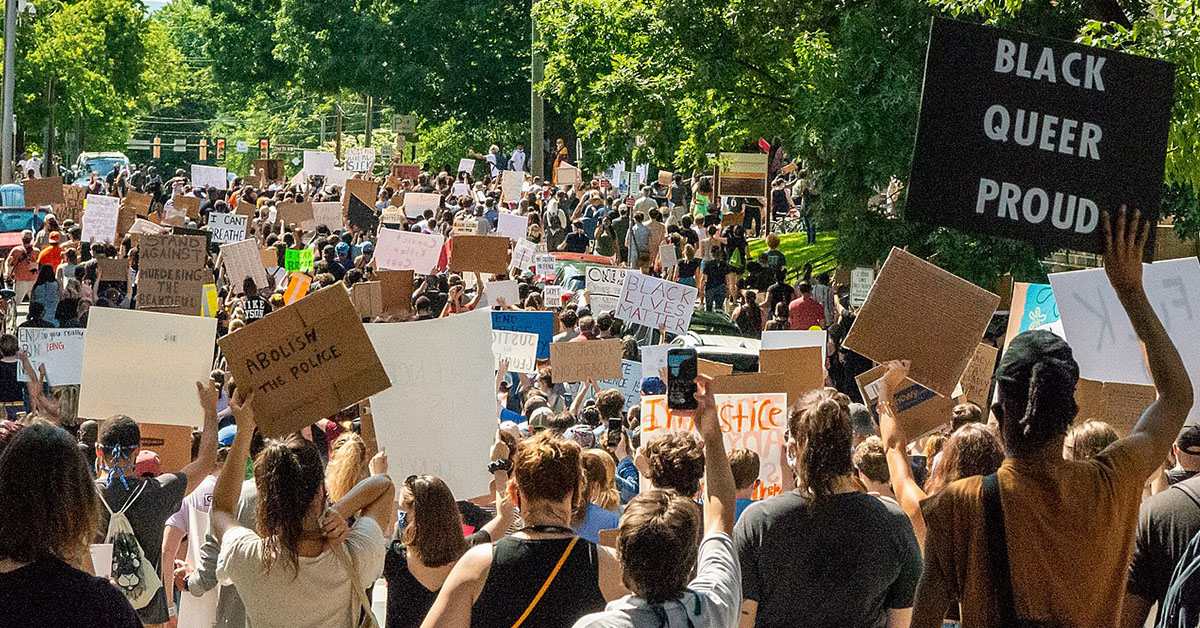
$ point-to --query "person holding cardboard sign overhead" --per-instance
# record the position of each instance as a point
(1069, 524)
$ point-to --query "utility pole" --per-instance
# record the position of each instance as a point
(338, 135)
(10, 75)
(370, 106)
(537, 110)
(50, 131)
(322, 130)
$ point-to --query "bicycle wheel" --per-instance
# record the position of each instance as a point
(10, 314)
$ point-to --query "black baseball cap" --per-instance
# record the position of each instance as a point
(1028, 349)
(1188, 440)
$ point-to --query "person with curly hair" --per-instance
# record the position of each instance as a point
(825, 554)
(674, 460)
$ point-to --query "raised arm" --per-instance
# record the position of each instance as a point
(1160, 423)
(498, 526)
(206, 458)
(229, 481)
(895, 442)
(719, 492)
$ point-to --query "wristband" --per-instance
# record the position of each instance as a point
(499, 465)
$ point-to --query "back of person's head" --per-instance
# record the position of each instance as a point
(1087, 439)
(569, 318)
(48, 504)
(964, 413)
(587, 325)
(972, 449)
(548, 468)
(772, 240)
(609, 403)
(433, 527)
(560, 423)
(9, 346)
(870, 459)
(804, 287)
(657, 542)
(746, 466)
(347, 465)
(599, 483)
(820, 430)
(1187, 447)
(119, 437)
(290, 477)
(1035, 392)
(676, 461)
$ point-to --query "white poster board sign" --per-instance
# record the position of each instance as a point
(523, 254)
(630, 383)
(121, 377)
(60, 351)
(518, 347)
(605, 283)
(360, 159)
(328, 213)
(511, 184)
(654, 358)
(242, 260)
(319, 162)
(656, 303)
(434, 434)
(100, 215)
(1102, 338)
(415, 203)
(794, 339)
(226, 228)
(493, 291)
(407, 250)
(512, 225)
(860, 285)
(215, 177)
(466, 165)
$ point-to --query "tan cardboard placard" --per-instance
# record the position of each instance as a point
(1119, 405)
(172, 443)
(975, 385)
(126, 217)
(919, 312)
(713, 369)
(749, 384)
(591, 359)
(732, 220)
(368, 298)
(918, 409)
(568, 175)
(171, 274)
(365, 190)
(139, 203)
(112, 269)
(664, 177)
(292, 213)
(190, 204)
(305, 362)
(270, 258)
(1004, 288)
(397, 291)
(272, 169)
(476, 253)
(42, 192)
(72, 208)
(801, 367)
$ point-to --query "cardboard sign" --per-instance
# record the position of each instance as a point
(100, 218)
(190, 204)
(655, 303)
(416, 203)
(120, 377)
(305, 362)
(581, 361)
(518, 347)
(540, 323)
(44, 192)
(732, 220)
(524, 255)
(297, 288)
(418, 428)
(294, 213)
(755, 421)
(318, 162)
(476, 253)
(270, 169)
(1101, 336)
(142, 227)
(270, 258)
(406, 171)
(73, 199)
(664, 177)
(1049, 134)
(215, 177)
(112, 269)
(298, 260)
(975, 385)
(511, 184)
(241, 260)
(226, 228)
(172, 443)
(408, 250)
(360, 159)
(919, 312)
(397, 291)
(513, 226)
(392, 215)
(172, 273)
(749, 384)
(1119, 405)
(328, 214)
(568, 175)
(712, 369)
(1033, 307)
(138, 202)
(794, 339)
(860, 285)
(368, 298)
(364, 190)
(466, 165)
(803, 369)
(919, 410)
(742, 174)
(604, 284)
(667, 256)
(60, 351)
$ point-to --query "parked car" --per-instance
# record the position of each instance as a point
(100, 163)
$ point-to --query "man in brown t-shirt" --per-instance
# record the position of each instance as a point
(1068, 525)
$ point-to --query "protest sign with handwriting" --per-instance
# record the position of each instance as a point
(100, 215)
(59, 350)
(408, 250)
(581, 361)
(241, 260)
(518, 347)
(656, 303)
(171, 274)
(226, 228)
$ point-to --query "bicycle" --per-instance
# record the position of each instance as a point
(791, 222)
(8, 309)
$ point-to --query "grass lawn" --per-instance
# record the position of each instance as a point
(793, 246)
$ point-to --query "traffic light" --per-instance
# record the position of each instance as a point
(203, 149)
(264, 147)
(220, 156)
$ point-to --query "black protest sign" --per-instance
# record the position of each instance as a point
(360, 215)
(1032, 138)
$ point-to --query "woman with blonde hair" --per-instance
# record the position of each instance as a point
(347, 465)
(1087, 439)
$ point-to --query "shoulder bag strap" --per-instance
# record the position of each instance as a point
(366, 618)
(997, 544)
(546, 585)
(1187, 490)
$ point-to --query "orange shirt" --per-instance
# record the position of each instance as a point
(52, 255)
(23, 263)
(1069, 528)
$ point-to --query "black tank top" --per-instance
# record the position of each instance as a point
(521, 566)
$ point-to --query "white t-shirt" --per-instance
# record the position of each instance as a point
(713, 598)
(320, 596)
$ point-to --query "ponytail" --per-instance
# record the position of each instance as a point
(1050, 406)
(288, 475)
